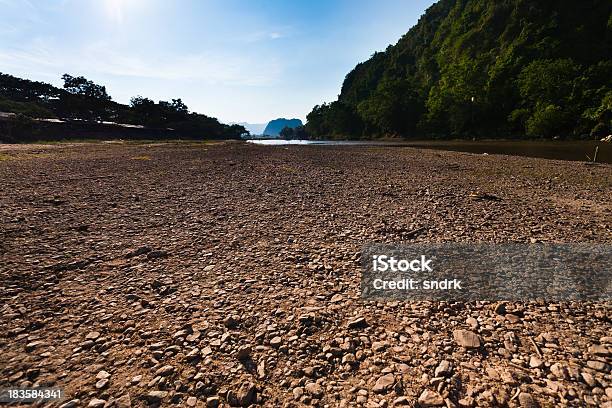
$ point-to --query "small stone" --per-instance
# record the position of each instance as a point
(500, 308)
(559, 371)
(314, 389)
(96, 403)
(466, 338)
(444, 369)
(601, 351)
(588, 379)
(157, 254)
(512, 318)
(358, 323)
(297, 393)
(244, 353)
(430, 398)
(139, 251)
(102, 375)
(473, 323)
(193, 356)
(155, 397)
(191, 401)
(92, 335)
(213, 402)
(337, 298)
(32, 345)
(535, 362)
(136, 379)
(243, 397)
(597, 365)
(276, 342)
(526, 400)
(164, 371)
(401, 401)
(384, 383)
(193, 336)
(466, 402)
(231, 322)
(71, 404)
(102, 383)
(378, 346)
(123, 401)
(348, 358)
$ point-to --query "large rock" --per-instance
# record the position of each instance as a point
(384, 383)
(430, 398)
(243, 397)
(466, 338)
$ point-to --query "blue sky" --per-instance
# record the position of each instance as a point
(248, 60)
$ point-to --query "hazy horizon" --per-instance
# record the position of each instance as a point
(235, 60)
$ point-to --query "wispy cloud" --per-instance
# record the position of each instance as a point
(265, 35)
(101, 58)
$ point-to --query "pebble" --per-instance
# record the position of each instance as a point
(358, 323)
(535, 362)
(213, 402)
(92, 335)
(384, 383)
(430, 398)
(96, 403)
(164, 371)
(243, 397)
(276, 342)
(314, 389)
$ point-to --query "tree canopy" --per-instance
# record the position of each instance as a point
(483, 68)
(83, 100)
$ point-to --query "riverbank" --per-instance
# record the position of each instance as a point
(176, 273)
(586, 150)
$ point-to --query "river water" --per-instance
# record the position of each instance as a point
(559, 150)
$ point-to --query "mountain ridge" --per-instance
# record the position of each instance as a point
(478, 68)
(274, 127)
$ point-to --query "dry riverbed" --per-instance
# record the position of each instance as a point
(228, 274)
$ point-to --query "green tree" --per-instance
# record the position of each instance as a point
(287, 133)
(547, 121)
(84, 99)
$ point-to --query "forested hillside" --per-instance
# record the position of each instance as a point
(85, 101)
(486, 69)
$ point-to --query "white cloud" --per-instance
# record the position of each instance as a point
(42, 56)
(265, 35)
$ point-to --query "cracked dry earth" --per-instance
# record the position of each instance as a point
(228, 275)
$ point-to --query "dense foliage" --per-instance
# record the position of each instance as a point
(484, 68)
(293, 133)
(83, 100)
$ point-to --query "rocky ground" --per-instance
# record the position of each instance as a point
(228, 274)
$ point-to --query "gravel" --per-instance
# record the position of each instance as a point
(228, 274)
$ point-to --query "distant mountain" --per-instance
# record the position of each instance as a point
(275, 126)
(484, 68)
(254, 128)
